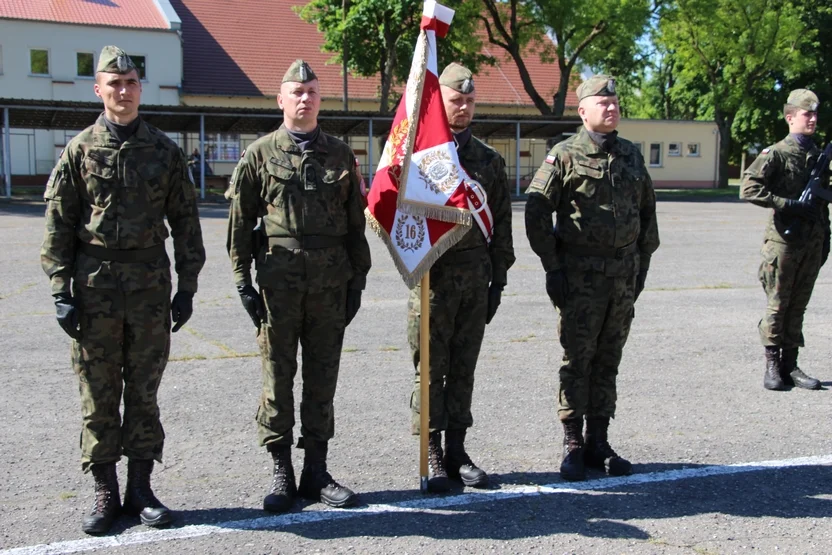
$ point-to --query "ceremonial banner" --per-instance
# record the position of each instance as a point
(422, 201)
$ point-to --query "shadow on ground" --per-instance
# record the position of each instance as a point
(791, 493)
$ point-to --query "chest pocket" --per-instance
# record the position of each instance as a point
(154, 184)
(589, 176)
(336, 184)
(281, 186)
(100, 176)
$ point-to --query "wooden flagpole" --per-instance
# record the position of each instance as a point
(424, 381)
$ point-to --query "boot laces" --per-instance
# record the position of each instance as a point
(103, 495)
(280, 480)
(435, 456)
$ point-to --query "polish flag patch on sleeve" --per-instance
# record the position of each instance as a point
(550, 159)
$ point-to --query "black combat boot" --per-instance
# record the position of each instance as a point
(283, 490)
(138, 497)
(437, 475)
(572, 467)
(597, 451)
(316, 483)
(797, 376)
(107, 504)
(458, 464)
(773, 379)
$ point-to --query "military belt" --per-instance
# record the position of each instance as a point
(150, 254)
(603, 252)
(306, 242)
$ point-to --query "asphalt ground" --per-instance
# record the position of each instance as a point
(692, 415)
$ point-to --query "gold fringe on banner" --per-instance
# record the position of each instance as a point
(412, 279)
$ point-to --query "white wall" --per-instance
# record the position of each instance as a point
(162, 51)
(684, 170)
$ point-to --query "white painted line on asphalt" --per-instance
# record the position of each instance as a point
(420, 505)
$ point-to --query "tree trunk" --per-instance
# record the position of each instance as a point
(723, 124)
(559, 101)
(387, 69)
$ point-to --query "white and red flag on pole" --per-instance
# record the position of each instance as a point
(422, 201)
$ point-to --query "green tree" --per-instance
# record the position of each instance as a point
(380, 36)
(817, 55)
(595, 33)
(739, 51)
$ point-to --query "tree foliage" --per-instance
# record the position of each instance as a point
(595, 33)
(380, 36)
(739, 54)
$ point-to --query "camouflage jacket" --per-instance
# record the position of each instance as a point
(485, 164)
(781, 172)
(117, 196)
(311, 193)
(601, 201)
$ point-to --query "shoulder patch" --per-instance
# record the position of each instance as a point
(242, 154)
(550, 159)
(765, 151)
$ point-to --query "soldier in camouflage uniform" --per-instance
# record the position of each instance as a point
(312, 260)
(466, 284)
(796, 240)
(104, 252)
(596, 261)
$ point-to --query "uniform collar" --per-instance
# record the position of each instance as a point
(284, 141)
(103, 137)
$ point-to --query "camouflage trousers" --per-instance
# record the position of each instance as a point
(316, 320)
(458, 308)
(788, 275)
(123, 350)
(593, 328)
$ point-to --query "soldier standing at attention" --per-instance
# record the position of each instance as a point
(596, 261)
(312, 260)
(796, 240)
(466, 284)
(104, 252)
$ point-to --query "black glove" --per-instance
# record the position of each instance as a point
(252, 303)
(824, 254)
(556, 287)
(495, 293)
(67, 314)
(353, 304)
(640, 279)
(801, 209)
(181, 309)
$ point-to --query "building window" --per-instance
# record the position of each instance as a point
(674, 149)
(140, 63)
(693, 149)
(222, 147)
(39, 62)
(655, 155)
(84, 64)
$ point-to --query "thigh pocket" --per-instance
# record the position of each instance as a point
(769, 266)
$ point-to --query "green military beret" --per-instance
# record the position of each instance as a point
(458, 77)
(597, 85)
(299, 72)
(114, 60)
(804, 99)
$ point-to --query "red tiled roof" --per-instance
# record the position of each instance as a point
(142, 14)
(234, 48)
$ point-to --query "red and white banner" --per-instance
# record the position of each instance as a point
(422, 201)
